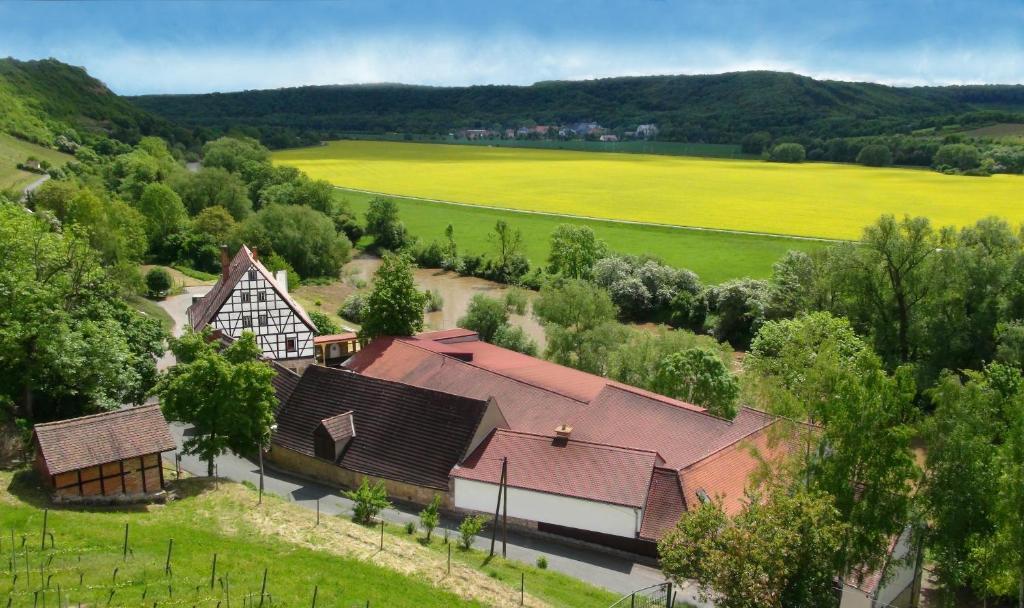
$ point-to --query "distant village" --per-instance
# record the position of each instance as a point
(589, 131)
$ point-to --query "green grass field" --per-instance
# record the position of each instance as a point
(86, 557)
(1004, 131)
(810, 199)
(715, 256)
(14, 151)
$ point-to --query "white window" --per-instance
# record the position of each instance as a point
(246, 321)
(246, 297)
(289, 345)
(263, 320)
(261, 296)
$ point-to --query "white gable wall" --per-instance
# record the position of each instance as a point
(268, 316)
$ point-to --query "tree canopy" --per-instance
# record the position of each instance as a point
(394, 306)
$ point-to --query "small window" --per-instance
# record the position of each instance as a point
(263, 320)
(261, 296)
(702, 496)
(246, 321)
(246, 297)
(289, 345)
(252, 275)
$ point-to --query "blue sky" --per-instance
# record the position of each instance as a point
(165, 47)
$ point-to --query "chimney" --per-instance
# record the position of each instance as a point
(563, 431)
(225, 263)
(281, 276)
(256, 254)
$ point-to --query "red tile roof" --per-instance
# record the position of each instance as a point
(203, 311)
(69, 445)
(575, 468)
(404, 433)
(455, 334)
(664, 504)
(335, 338)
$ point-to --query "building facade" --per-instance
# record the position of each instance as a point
(248, 297)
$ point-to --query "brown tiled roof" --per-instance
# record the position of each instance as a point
(406, 433)
(456, 334)
(284, 381)
(202, 312)
(339, 427)
(664, 504)
(570, 468)
(351, 335)
(69, 445)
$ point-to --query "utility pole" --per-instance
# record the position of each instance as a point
(504, 508)
(497, 508)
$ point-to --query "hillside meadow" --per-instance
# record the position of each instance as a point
(810, 199)
(14, 151)
(715, 256)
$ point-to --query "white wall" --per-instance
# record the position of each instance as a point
(901, 571)
(854, 598)
(550, 508)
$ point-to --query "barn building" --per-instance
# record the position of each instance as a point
(248, 297)
(587, 457)
(111, 454)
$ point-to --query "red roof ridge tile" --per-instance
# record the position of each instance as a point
(411, 341)
(594, 444)
(718, 450)
(88, 418)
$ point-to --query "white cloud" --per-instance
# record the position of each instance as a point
(515, 59)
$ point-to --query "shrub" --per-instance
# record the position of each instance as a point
(514, 338)
(484, 316)
(431, 255)
(369, 501)
(961, 157)
(469, 528)
(158, 281)
(429, 516)
(323, 324)
(516, 300)
(788, 153)
(741, 306)
(410, 528)
(434, 301)
(352, 308)
(875, 155)
(542, 562)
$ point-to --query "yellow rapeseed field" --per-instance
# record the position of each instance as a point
(811, 199)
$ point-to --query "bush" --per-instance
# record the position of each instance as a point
(352, 308)
(741, 306)
(158, 281)
(516, 300)
(960, 157)
(542, 562)
(434, 301)
(788, 153)
(875, 155)
(323, 324)
(410, 528)
(431, 255)
(369, 501)
(514, 338)
(485, 316)
(469, 528)
(430, 517)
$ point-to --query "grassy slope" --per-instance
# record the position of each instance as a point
(340, 557)
(14, 151)
(715, 256)
(1010, 132)
(811, 199)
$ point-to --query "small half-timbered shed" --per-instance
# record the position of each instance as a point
(111, 454)
(248, 297)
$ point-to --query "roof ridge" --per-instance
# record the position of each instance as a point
(723, 447)
(406, 340)
(108, 414)
(388, 381)
(683, 405)
(604, 446)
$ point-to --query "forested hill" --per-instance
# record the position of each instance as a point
(711, 108)
(40, 100)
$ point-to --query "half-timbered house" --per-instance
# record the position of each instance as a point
(111, 454)
(248, 297)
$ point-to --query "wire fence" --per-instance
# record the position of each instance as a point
(655, 596)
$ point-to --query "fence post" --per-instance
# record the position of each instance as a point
(124, 555)
(167, 564)
(318, 511)
(42, 541)
(381, 533)
(263, 589)
(449, 559)
(213, 571)
(522, 588)
(315, 589)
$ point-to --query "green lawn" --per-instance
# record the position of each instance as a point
(715, 256)
(14, 151)
(86, 562)
(151, 309)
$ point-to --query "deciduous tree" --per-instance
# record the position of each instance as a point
(394, 306)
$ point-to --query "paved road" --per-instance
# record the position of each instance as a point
(613, 572)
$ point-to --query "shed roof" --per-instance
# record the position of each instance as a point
(406, 433)
(78, 443)
(578, 469)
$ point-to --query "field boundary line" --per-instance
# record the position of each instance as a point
(597, 219)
